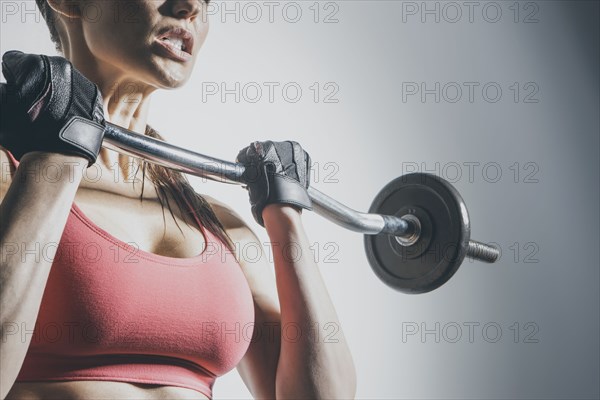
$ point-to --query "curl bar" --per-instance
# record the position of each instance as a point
(410, 228)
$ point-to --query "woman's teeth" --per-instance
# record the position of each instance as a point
(177, 43)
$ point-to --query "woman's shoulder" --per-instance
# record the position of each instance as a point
(7, 171)
(236, 227)
(230, 219)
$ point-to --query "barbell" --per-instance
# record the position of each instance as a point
(416, 233)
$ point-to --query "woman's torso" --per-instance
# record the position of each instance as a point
(115, 207)
(99, 390)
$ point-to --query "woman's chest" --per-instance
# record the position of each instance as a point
(104, 296)
(143, 225)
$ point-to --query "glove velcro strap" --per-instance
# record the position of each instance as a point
(287, 190)
(282, 190)
(84, 137)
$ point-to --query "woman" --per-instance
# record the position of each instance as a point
(134, 302)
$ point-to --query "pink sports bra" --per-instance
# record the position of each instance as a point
(112, 312)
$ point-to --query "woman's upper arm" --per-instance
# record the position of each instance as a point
(258, 367)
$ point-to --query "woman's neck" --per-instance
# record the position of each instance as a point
(126, 103)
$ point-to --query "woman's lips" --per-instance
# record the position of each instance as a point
(166, 49)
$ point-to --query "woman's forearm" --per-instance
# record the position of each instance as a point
(33, 214)
(315, 361)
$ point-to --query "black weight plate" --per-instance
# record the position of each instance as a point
(442, 245)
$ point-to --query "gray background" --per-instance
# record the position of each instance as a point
(542, 210)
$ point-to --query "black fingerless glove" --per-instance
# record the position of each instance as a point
(275, 172)
(48, 105)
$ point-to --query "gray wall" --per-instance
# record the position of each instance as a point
(532, 189)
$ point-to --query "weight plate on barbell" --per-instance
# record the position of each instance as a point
(442, 244)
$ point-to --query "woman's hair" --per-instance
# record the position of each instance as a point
(50, 18)
(167, 181)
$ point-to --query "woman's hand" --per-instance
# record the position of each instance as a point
(276, 173)
(49, 106)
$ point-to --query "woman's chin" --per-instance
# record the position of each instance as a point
(171, 75)
(173, 83)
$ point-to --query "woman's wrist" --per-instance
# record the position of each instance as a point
(53, 167)
(57, 159)
(281, 214)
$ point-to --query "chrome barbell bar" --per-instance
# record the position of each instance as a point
(162, 153)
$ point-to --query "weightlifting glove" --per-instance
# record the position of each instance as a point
(275, 172)
(47, 105)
